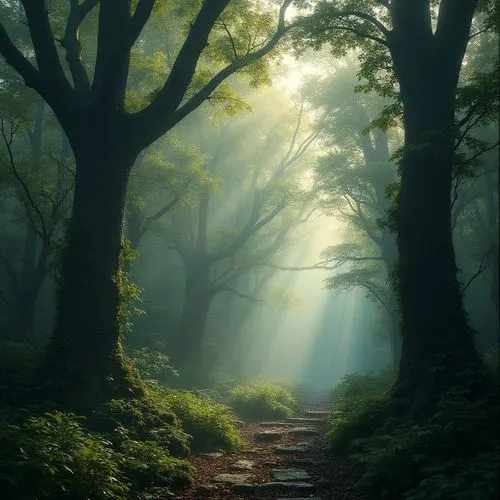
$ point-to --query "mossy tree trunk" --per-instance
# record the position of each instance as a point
(438, 344)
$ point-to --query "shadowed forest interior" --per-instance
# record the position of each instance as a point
(249, 249)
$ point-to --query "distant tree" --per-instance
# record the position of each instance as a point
(90, 102)
(213, 260)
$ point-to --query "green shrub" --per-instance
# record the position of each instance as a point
(147, 464)
(149, 418)
(52, 456)
(262, 400)
(360, 405)
(212, 425)
(452, 454)
(17, 361)
(154, 365)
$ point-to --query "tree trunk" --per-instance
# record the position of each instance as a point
(438, 344)
(188, 346)
(85, 358)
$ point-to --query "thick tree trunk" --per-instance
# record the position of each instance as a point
(188, 346)
(85, 358)
(438, 344)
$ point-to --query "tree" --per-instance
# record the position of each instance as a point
(420, 47)
(85, 355)
(214, 258)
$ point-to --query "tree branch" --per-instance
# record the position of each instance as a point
(165, 112)
(44, 45)
(14, 58)
(72, 45)
(242, 295)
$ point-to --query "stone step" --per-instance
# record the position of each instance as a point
(265, 488)
(242, 465)
(275, 424)
(303, 431)
(268, 436)
(323, 412)
(293, 448)
(289, 474)
(306, 420)
(232, 478)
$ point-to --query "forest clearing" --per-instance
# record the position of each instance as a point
(249, 249)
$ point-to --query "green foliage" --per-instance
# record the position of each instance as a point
(262, 400)
(148, 418)
(147, 463)
(153, 365)
(211, 425)
(451, 454)
(359, 406)
(53, 456)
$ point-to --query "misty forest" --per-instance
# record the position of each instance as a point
(249, 249)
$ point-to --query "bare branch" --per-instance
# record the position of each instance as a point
(482, 267)
(237, 293)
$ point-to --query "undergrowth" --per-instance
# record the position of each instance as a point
(453, 454)
(257, 400)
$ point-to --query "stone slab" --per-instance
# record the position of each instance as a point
(289, 474)
(232, 478)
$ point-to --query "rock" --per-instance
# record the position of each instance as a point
(243, 489)
(290, 474)
(291, 487)
(304, 431)
(206, 490)
(242, 465)
(308, 461)
(293, 448)
(251, 451)
(305, 420)
(275, 424)
(270, 464)
(267, 436)
(231, 478)
(214, 454)
(299, 498)
(322, 482)
(239, 423)
(317, 413)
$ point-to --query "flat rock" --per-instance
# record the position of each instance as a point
(242, 465)
(243, 489)
(305, 420)
(232, 478)
(299, 498)
(304, 431)
(317, 413)
(308, 461)
(290, 474)
(293, 448)
(275, 424)
(268, 436)
(322, 482)
(205, 490)
(290, 486)
(214, 454)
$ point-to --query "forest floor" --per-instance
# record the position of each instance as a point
(284, 460)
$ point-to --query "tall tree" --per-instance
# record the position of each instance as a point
(420, 46)
(90, 104)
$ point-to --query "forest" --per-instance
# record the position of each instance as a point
(249, 249)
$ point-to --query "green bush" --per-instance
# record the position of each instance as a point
(212, 425)
(154, 365)
(452, 454)
(147, 464)
(17, 361)
(360, 405)
(149, 418)
(262, 400)
(52, 456)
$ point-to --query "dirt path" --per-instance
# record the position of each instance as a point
(284, 460)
